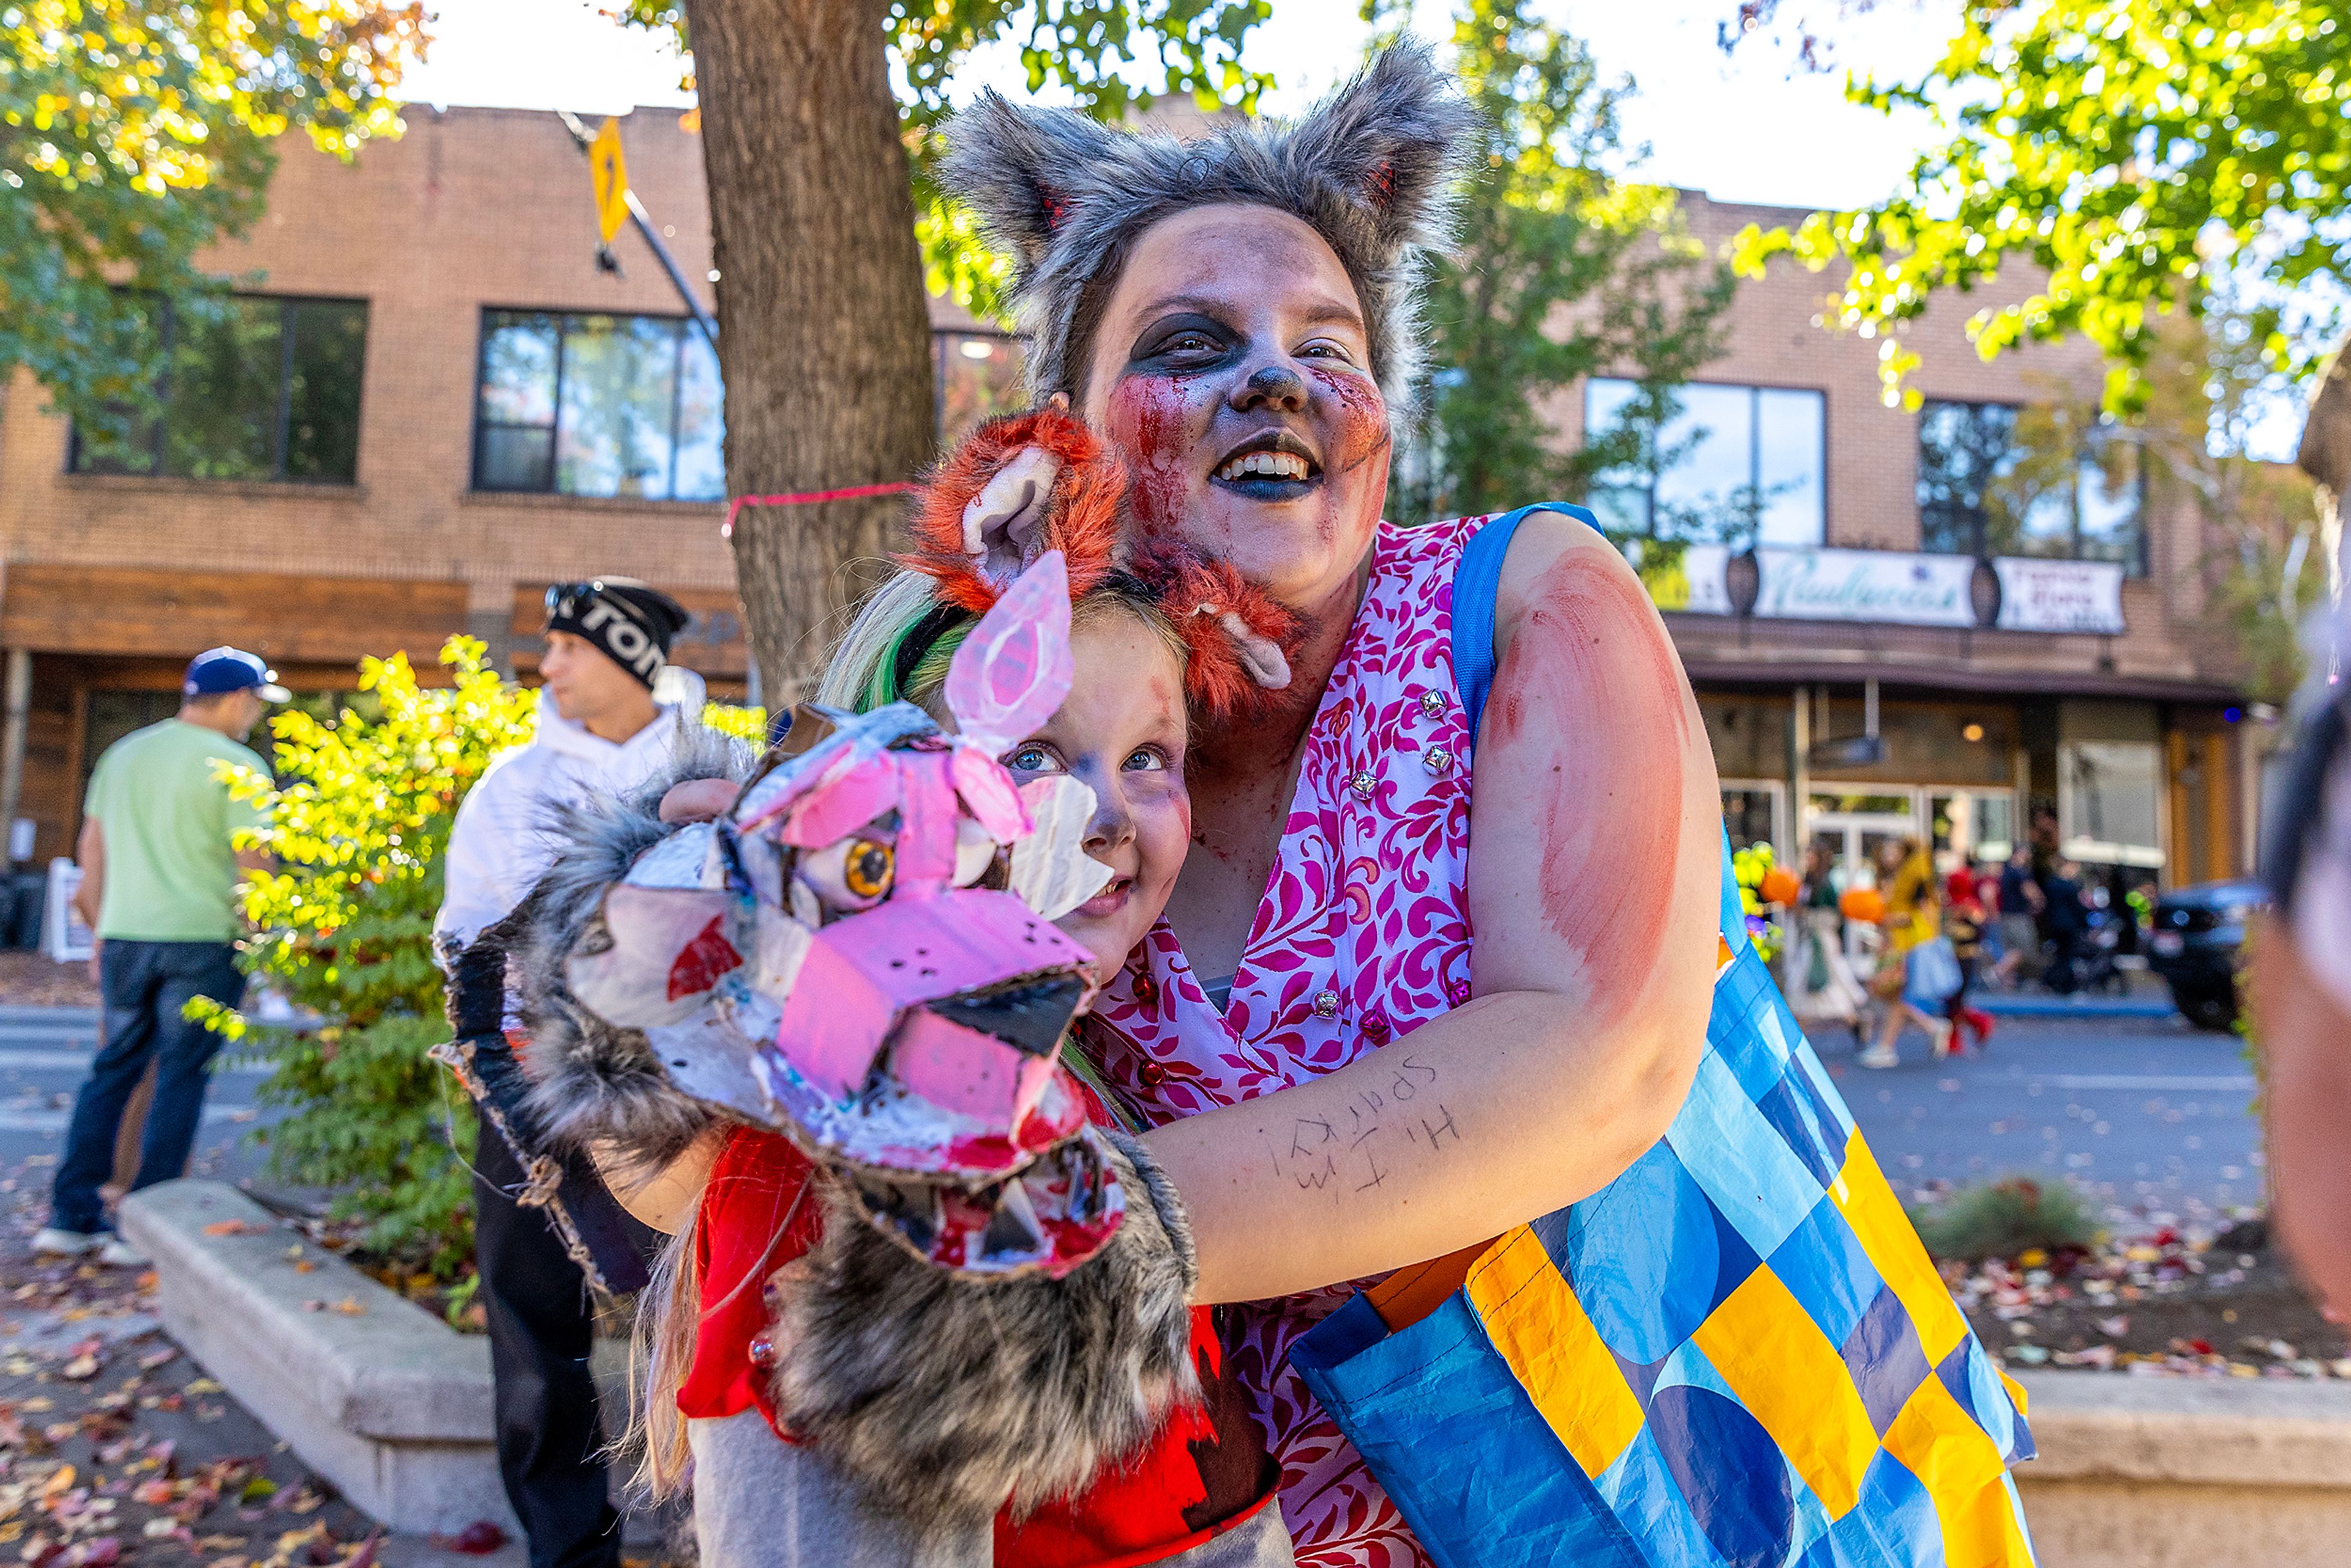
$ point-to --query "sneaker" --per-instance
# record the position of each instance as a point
(1880, 1056)
(119, 1254)
(53, 1242)
(1945, 1044)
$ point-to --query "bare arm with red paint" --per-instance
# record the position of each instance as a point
(1592, 888)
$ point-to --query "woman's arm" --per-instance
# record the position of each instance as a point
(1594, 888)
(662, 1198)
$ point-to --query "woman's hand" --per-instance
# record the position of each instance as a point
(1593, 890)
(698, 799)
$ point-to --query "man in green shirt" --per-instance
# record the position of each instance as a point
(160, 874)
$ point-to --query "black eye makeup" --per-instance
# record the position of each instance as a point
(1185, 340)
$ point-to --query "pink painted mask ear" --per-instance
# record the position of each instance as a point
(1014, 668)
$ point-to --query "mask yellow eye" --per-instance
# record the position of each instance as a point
(869, 867)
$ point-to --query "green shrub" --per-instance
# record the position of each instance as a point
(344, 930)
(2003, 1218)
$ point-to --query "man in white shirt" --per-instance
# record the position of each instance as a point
(600, 730)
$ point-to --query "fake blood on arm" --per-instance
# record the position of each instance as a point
(1589, 654)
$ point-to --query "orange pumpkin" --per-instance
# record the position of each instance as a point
(1779, 886)
(1865, 905)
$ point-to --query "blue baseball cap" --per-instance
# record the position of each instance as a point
(219, 670)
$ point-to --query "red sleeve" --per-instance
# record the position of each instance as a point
(757, 1214)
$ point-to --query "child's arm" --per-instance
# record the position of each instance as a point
(663, 1198)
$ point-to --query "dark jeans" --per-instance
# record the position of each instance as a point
(542, 1327)
(144, 984)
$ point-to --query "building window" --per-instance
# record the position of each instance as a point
(256, 387)
(1716, 464)
(599, 405)
(2042, 480)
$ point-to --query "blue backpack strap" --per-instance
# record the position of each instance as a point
(1477, 578)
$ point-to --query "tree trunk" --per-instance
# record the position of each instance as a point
(2325, 456)
(824, 337)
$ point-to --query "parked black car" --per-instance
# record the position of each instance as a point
(2198, 944)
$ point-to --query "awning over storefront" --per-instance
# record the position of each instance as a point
(131, 612)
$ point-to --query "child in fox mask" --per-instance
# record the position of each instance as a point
(814, 1346)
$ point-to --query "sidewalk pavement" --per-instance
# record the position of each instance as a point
(115, 1448)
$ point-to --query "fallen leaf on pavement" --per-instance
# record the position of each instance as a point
(202, 1385)
(155, 1359)
(257, 1490)
(478, 1539)
(80, 1369)
(61, 1482)
(227, 1228)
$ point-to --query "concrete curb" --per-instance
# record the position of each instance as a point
(2169, 1473)
(2004, 1004)
(388, 1403)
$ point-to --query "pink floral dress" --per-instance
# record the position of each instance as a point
(1363, 936)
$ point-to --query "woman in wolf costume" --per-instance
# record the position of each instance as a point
(740, 966)
(1338, 1080)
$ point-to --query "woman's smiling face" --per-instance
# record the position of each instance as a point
(1231, 369)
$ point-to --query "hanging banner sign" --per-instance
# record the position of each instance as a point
(2059, 595)
(1695, 585)
(1865, 585)
(1893, 587)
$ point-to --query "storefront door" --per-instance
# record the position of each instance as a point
(1850, 826)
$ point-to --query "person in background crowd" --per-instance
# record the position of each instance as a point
(1964, 920)
(2021, 903)
(600, 729)
(1821, 987)
(160, 873)
(2302, 997)
(1912, 917)
(2065, 922)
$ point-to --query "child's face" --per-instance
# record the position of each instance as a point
(1120, 731)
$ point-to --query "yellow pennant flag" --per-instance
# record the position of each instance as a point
(611, 177)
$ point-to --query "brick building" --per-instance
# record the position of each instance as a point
(433, 403)
(1994, 575)
(445, 406)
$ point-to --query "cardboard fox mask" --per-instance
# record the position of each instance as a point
(860, 954)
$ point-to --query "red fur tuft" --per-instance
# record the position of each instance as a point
(1197, 593)
(1082, 521)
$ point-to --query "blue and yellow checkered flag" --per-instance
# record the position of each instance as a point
(1737, 1352)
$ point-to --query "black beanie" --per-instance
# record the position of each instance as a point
(630, 623)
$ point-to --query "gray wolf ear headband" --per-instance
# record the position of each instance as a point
(1370, 168)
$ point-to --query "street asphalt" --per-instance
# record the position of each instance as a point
(45, 1053)
(2149, 1115)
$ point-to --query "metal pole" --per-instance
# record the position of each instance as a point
(702, 318)
(11, 739)
(1800, 773)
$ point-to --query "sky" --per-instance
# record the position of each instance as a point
(1750, 127)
